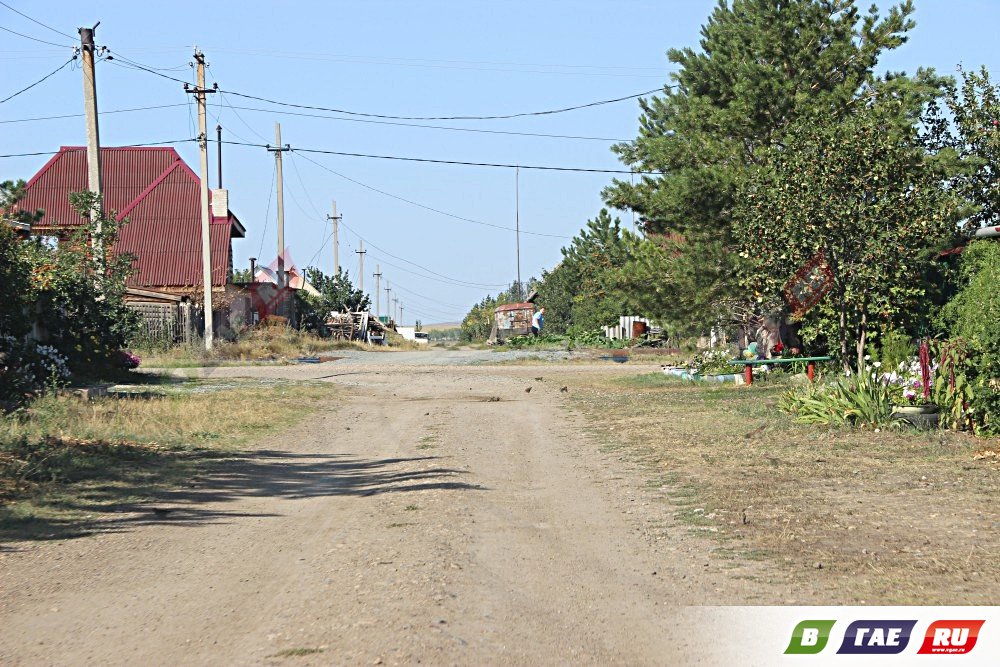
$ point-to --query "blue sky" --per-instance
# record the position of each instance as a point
(396, 57)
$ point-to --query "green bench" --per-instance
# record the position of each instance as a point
(748, 365)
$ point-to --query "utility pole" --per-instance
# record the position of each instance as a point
(278, 150)
(206, 247)
(378, 293)
(517, 225)
(93, 131)
(401, 312)
(361, 265)
(218, 151)
(395, 301)
(388, 308)
(335, 221)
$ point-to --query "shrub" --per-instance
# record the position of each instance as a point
(863, 399)
(26, 369)
(973, 316)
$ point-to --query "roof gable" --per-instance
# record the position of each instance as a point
(125, 174)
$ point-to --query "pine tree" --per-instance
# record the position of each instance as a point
(761, 65)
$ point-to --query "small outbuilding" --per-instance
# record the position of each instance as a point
(510, 320)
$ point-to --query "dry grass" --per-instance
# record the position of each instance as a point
(63, 458)
(262, 344)
(898, 517)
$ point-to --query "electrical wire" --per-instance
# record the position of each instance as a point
(82, 148)
(267, 212)
(427, 298)
(457, 162)
(146, 68)
(424, 206)
(548, 112)
(100, 113)
(34, 39)
(423, 268)
(58, 32)
(431, 127)
(279, 112)
(27, 88)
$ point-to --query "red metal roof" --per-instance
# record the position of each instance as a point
(160, 196)
(515, 306)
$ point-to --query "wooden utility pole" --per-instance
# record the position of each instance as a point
(401, 312)
(278, 150)
(395, 302)
(335, 221)
(517, 225)
(93, 130)
(206, 242)
(378, 293)
(361, 265)
(388, 308)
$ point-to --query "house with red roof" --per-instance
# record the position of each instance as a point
(160, 196)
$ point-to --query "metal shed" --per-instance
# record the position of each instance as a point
(511, 319)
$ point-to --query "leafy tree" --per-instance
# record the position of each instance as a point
(761, 66)
(16, 295)
(79, 289)
(859, 190)
(336, 294)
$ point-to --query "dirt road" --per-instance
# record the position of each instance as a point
(414, 518)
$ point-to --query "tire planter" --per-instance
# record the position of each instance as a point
(921, 416)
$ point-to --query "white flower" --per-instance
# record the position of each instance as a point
(877, 364)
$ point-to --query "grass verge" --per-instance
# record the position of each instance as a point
(841, 516)
(261, 345)
(65, 463)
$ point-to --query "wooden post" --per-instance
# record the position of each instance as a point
(748, 374)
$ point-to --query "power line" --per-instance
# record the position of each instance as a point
(136, 65)
(34, 39)
(279, 112)
(80, 115)
(119, 60)
(44, 25)
(423, 268)
(82, 148)
(494, 117)
(421, 296)
(431, 127)
(39, 81)
(424, 206)
(458, 162)
(471, 65)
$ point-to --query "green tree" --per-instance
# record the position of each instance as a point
(859, 190)
(964, 137)
(974, 316)
(16, 289)
(79, 289)
(586, 289)
(761, 65)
